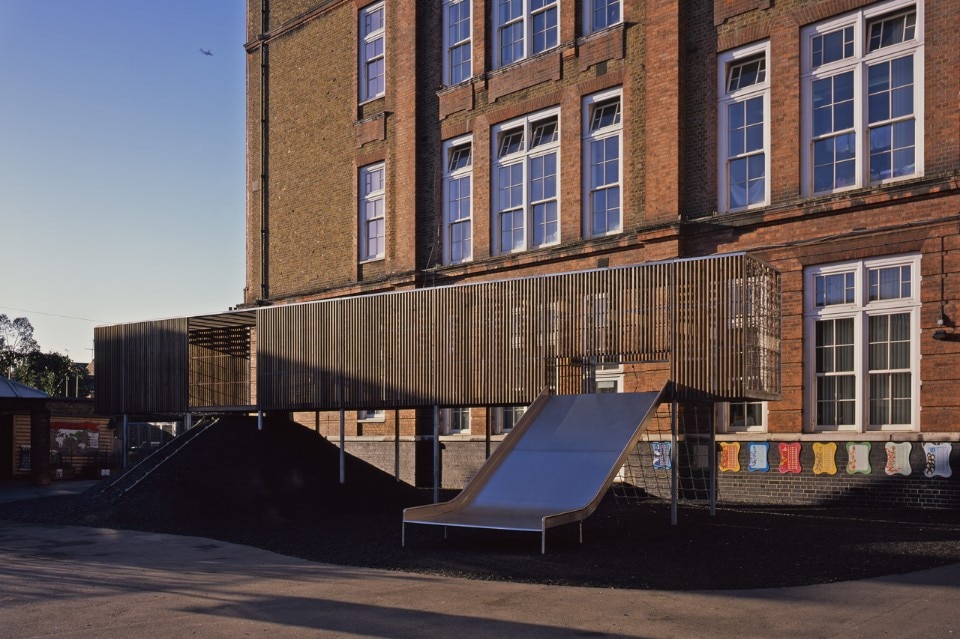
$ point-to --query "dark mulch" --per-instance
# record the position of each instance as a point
(279, 490)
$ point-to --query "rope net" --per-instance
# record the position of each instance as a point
(647, 473)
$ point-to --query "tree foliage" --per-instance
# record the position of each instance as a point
(21, 359)
(16, 341)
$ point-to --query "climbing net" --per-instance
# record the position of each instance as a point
(648, 472)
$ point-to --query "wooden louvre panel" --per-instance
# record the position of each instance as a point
(716, 320)
(145, 367)
(220, 367)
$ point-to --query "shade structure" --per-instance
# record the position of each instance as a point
(714, 321)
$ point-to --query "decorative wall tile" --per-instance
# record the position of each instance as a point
(858, 458)
(730, 457)
(937, 460)
(661, 455)
(758, 454)
(825, 458)
(898, 458)
(789, 457)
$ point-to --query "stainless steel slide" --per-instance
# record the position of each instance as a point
(554, 467)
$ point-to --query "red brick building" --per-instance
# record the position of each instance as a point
(395, 144)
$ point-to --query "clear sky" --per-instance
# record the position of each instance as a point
(121, 163)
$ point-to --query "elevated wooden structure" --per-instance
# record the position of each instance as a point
(715, 321)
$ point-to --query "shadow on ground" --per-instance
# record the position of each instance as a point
(278, 489)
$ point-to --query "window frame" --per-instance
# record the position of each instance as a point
(500, 418)
(364, 38)
(589, 26)
(449, 177)
(524, 157)
(589, 136)
(447, 419)
(725, 416)
(858, 63)
(364, 198)
(368, 415)
(526, 19)
(727, 98)
(860, 310)
(449, 46)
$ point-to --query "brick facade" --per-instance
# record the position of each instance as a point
(663, 56)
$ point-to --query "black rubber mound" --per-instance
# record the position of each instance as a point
(238, 483)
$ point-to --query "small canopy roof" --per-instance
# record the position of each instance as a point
(10, 389)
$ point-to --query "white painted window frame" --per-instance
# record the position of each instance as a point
(861, 309)
(589, 102)
(447, 422)
(368, 37)
(371, 415)
(449, 177)
(523, 157)
(449, 45)
(588, 24)
(725, 415)
(857, 64)
(367, 197)
(499, 418)
(726, 61)
(527, 19)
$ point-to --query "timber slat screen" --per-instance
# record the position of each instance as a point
(143, 367)
(220, 366)
(496, 343)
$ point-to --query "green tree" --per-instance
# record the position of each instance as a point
(16, 342)
(53, 373)
(22, 360)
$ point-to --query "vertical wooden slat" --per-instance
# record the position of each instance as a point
(493, 343)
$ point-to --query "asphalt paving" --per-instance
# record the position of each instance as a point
(92, 582)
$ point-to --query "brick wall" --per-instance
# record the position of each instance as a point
(664, 58)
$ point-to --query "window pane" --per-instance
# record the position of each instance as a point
(509, 10)
(605, 114)
(747, 73)
(545, 30)
(754, 135)
(604, 13)
(738, 183)
(510, 142)
(511, 43)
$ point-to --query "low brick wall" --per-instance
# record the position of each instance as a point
(461, 458)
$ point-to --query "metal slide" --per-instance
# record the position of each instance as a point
(553, 469)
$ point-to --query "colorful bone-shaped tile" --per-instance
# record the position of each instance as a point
(758, 457)
(789, 457)
(898, 458)
(661, 455)
(730, 457)
(858, 458)
(937, 458)
(824, 458)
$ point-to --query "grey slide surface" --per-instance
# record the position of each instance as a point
(554, 468)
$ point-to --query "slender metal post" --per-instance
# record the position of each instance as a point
(713, 461)
(188, 421)
(489, 428)
(126, 441)
(674, 483)
(343, 458)
(396, 445)
(674, 475)
(259, 420)
(436, 454)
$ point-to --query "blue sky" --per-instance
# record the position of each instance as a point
(121, 163)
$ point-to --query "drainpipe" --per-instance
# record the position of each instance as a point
(264, 153)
